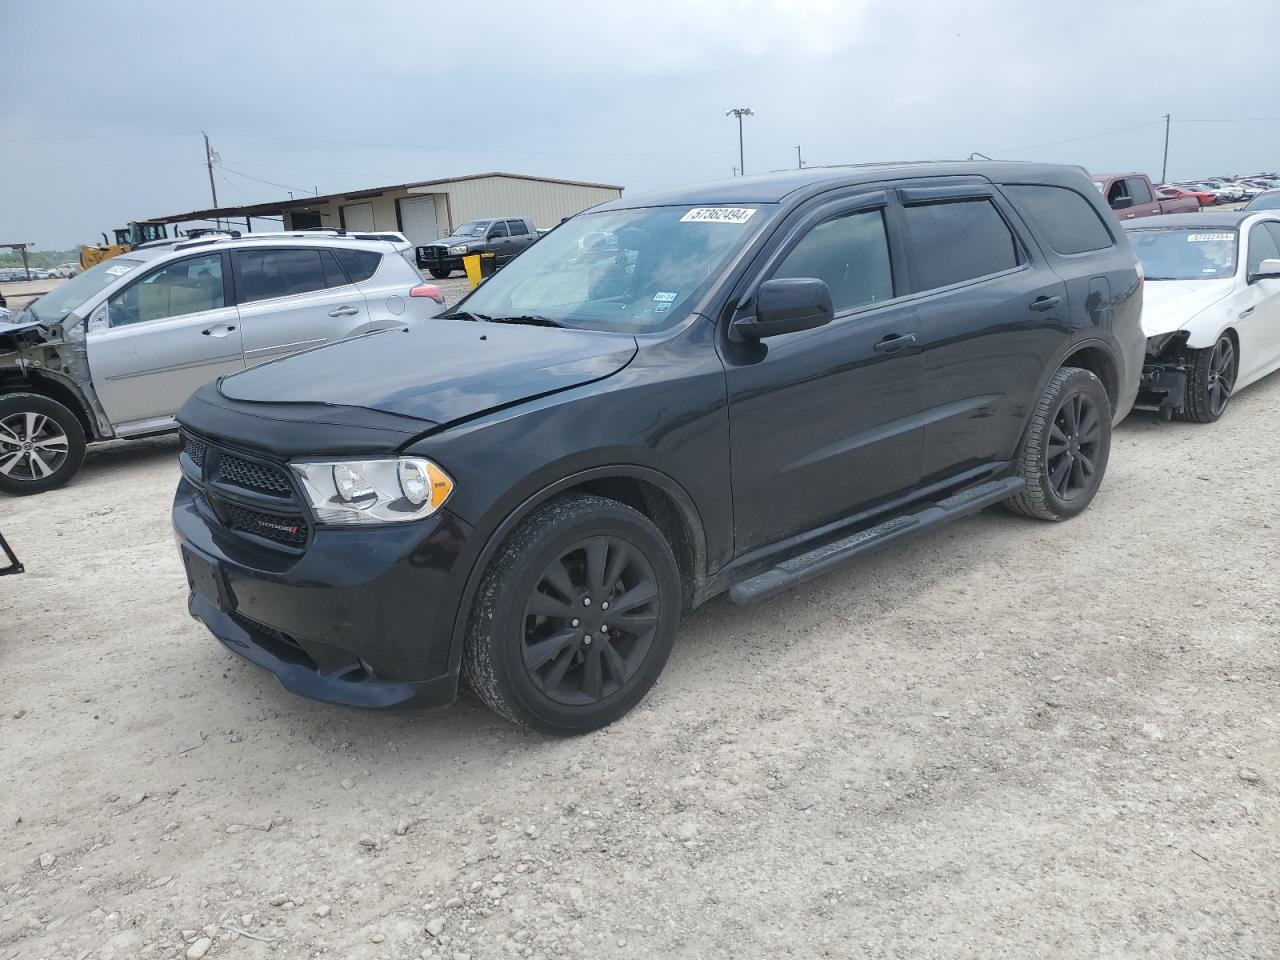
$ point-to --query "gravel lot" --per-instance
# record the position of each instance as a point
(1003, 739)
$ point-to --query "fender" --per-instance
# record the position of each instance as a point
(1106, 343)
(689, 514)
(89, 410)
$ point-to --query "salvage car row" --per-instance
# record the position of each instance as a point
(642, 411)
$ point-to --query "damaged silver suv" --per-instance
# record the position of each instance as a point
(113, 352)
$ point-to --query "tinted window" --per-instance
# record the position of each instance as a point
(957, 241)
(1068, 221)
(179, 288)
(1275, 232)
(1265, 201)
(360, 264)
(851, 253)
(1138, 190)
(1262, 246)
(266, 274)
(517, 228)
(499, 229)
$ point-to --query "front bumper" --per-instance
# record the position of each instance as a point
(1164, 386)
(364, 617)
(427, 260)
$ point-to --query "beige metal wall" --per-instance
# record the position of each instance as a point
(546, 204)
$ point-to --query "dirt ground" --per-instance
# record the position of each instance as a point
(1002, 739)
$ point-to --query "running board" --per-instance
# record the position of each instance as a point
(816, 562)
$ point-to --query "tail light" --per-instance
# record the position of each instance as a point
(428, 290)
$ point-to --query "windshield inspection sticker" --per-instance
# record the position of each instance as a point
(718, 215)
(1208, 237)
(665, 296)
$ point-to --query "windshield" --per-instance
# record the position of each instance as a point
(1265, 201)
(632, 271)
(63, 299)
(474, 228)
(1185, 253)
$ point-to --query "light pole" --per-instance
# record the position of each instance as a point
(740, 112)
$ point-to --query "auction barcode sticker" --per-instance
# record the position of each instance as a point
(1209, 237)
(718, 215)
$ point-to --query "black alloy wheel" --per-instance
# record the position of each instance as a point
(575, 616)
(1065, 450)
(1072, 450)
(590, 621)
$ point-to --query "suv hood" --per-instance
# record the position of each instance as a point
(439, 371)
(1169, 305)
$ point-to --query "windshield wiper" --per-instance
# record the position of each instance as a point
(532, 321)
(463, 315)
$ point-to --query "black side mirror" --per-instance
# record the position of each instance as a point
(1122, 203)
(787, 306)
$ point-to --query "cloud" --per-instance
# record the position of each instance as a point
(106, 106)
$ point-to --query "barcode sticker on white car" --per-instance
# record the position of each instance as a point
(1208, 237)
(718, 215)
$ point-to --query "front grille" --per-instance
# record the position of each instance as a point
(291, 531)
(255, 476)
(246, 496)
(194, 449)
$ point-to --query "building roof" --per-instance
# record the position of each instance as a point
(297, 203)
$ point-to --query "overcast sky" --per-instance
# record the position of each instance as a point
(104, 103)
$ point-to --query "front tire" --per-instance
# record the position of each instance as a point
(438, 273)
(1211, 379)
(41, 444)
(1064, 453)
(575, 617)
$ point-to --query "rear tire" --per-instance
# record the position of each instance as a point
(438, 273)
(1064, 453)
(575, 617)
(41, 444)
(1211, 379)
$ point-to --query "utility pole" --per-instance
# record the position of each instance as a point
(740, 112)
(799, 159)
(208, 162)
(1164, 166)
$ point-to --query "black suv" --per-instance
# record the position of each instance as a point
(730, 387)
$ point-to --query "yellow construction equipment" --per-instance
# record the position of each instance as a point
(135, 234)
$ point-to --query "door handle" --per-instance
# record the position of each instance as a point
(895, 342)
(218, 331)
(1246, 311)
(344, 312)
(1045, 303)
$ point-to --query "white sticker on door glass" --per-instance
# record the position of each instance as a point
(718, 215)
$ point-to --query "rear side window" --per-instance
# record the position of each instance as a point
(1138, 190)
(958, 240)
(1068, 221)
(266, 274)
(850, 253)
(359, 264)
(517, 228)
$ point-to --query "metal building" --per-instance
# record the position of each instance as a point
(424, 211)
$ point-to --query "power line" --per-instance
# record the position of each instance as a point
(270, 183)
(1092, 136)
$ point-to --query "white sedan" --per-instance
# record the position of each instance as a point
(1211, 308)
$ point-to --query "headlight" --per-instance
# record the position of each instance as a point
(374, 491)
(458, 251)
